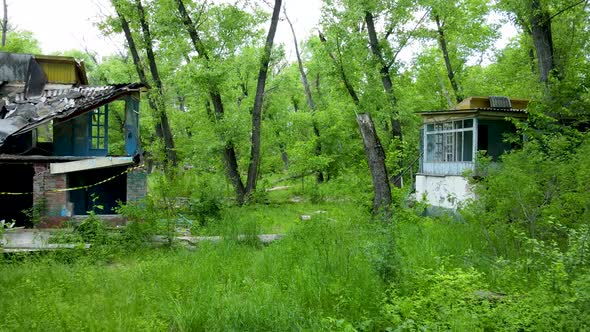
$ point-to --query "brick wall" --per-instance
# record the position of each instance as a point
(136, 185)
(44, 181)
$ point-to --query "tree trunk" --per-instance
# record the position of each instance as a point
(319, 176)
(396, 128)
(304, 81)
(138, 65)
(531, 54)
(161, 107)
(376, 160)
(284, 156)
(229, 154)
(445, 91)
(373, 149)
(230, 159)
(543, 40)
(308, 96)
(257, 109)
(4, 23)
(443, 47)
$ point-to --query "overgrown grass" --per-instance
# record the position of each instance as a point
(338, 271)
(272, 218)
(320, 270)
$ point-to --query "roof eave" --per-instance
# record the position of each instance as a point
(496, 113)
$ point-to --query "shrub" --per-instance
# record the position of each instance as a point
(541, 191)
(92, 230)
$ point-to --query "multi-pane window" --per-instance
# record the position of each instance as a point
(450, 141)
(98, 124)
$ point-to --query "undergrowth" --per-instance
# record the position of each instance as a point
(500, 267)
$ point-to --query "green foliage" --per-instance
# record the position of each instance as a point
(517, 259)
(539, 189)
(142, 225)
(92, 230)
(36, 212)
(21, 42)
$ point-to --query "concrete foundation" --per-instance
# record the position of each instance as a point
(443, 191)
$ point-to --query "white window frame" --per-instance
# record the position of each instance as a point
(454, 157)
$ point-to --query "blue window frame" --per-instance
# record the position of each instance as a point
(98, 129)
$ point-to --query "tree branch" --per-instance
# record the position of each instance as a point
(304, 80)
(561, 11)
(407, 39)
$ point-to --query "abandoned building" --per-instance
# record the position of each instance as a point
(66, 148)
(451, 140)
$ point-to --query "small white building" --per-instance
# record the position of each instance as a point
(451, 139)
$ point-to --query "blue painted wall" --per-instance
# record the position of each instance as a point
(132, 125)
(70, 138)
(73, 137)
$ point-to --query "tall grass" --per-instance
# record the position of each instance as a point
(319, 271)
(337, 271)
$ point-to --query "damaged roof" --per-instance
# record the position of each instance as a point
(35, 89)
(19, 114)
(24, 68)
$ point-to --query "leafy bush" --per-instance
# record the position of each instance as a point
(206, 199)
(542, 190)
(92, 230)
(142, 224)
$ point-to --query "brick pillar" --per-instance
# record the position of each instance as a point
(136, 185)
(43, 182)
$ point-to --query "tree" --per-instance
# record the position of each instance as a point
(461, 32)
(159, 95)
(536, 18)
(384, 71)
(351, 26)
(308, 96)
(4, 23)
(156, 98)
(229, 153)
(21, 42)
(372, 145)
(557, 31)
(257, 109)
(442, 41)
(230, 159)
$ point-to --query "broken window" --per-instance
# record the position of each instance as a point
(44, 133)
(450, 141)
(98, 128)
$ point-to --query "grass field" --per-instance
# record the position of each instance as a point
(338, 271)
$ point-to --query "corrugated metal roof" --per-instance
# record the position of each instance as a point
(87, 92)
(19, 114)
(500, 102)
